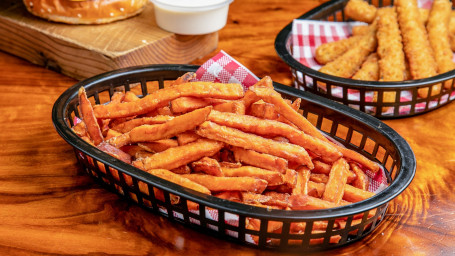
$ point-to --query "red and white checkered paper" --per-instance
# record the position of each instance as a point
(307, 35)
(223, 68)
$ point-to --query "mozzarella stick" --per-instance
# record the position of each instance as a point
(327, 52)
(360, 10)
(416, 45)
(438, 35)
(369, 71)
(349, 62)
(452, 30)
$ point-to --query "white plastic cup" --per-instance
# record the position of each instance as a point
(191, 17)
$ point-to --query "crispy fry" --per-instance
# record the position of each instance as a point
(209, 166)
(353, 194)
(360, 10)
(347, 64)
(244, 140)
(181, 155)
(177, 125)
(438, 35)
(120, 141)
(274, 128)
(115, 152)
(260, 160)
(186, 104)
(336, 183)
(452, 30)
(185, 78)
(369, 71)
(273, 178)
(357, 157)
(306, 202)
(162, 97)
(184, 169)
(91, 124)
(130, 96)
(235, 196)
(328, 52)
(216, 184)
(416, 45)
(234, 106)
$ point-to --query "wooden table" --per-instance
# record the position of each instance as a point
(48, 206)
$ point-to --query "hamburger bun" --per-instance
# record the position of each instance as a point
(85, 11)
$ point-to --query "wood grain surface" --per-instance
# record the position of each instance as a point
(48, 206)
(86, 50)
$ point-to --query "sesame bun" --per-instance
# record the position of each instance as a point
(85, 11)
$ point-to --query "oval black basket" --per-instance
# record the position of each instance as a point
(350, 127)
(305, 77)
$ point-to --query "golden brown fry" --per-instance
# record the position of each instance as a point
(241, 139)
(181, 155)
(353, 194)
(273, 178)
(452, 30)
(186, 104)
(357, 157)
(115, 152)
(91, 123)
(336, 183)
(120, 141)
(162, 97)
(185, 78)
(360, 10)
(328, 52)
(235, 106)
(347, 64)
(187, 137)
(179, 179)
(260, 160)
(216, 184)
(369, 71)
(416, 45)
(438, 35)
(269, 128)
(208, 165)
(130, 96)
(177, 125)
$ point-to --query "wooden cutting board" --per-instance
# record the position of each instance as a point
(81, 51)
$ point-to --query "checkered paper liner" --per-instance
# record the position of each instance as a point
(307, 35)
(223, 68)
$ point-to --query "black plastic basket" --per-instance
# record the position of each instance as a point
(362, 132)
(305, 77)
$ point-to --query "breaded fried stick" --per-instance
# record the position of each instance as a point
(369, 71)
(392, 65)
(360, 10)
(327, 52)
(438, 35)
(416, 45)
(349, 63)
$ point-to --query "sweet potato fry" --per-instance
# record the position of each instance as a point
(273, 97)
(357, 157)
(260, 160)
(301, 186)
(361, 181)
(353, 194)
(209, 166)
(438, 35)
(162, 97)
(177, 125)
(91, 123)
(306, 202)
(216, 184)
(179, 179)
(244, 140)
(133, 123)
(273, 178)
(185, 78)
(234, 106)
(115, 152)
(187, 137)
(336, 183)
(158, 145)
(130, 96)
(186, 104)
(181, 155)
(269, 198)
(120, 141)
